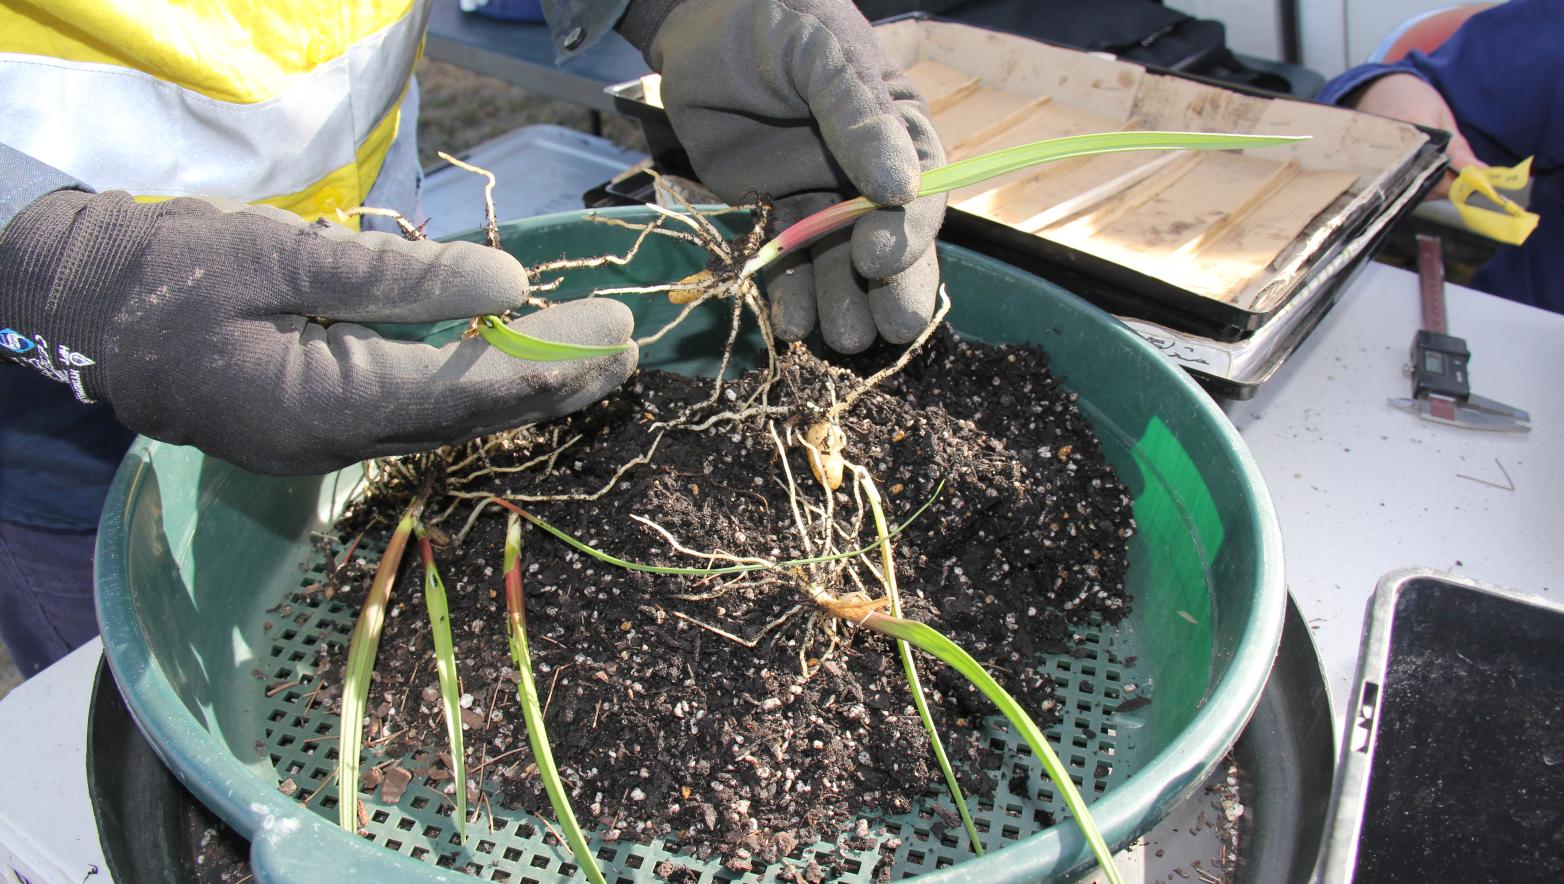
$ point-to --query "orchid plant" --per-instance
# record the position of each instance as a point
(944, 179)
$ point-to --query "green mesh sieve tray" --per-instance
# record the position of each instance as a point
(195, 556)
(512, 848)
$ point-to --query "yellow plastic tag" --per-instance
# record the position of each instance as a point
(1511, 225)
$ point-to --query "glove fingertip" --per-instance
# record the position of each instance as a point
(903, 304)
(482, 279)
(583, 382)
(846, 322)
(790, 283)
(587, 321)
(890, 241)
(881, 159)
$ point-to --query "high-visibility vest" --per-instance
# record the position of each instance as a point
(293, 103)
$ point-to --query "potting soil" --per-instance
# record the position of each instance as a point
(729, 720)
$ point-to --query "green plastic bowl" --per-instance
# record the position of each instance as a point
(192, 553)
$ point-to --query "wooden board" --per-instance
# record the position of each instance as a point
(1340, 139)
(1198, 230)
(1152, 215)
(1229, 265)
(1180, 105)
(1237, 226)
(941, 85)
(979, 116)
(1016, 64)
(1052, 120)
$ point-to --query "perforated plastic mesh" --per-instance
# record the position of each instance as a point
(300, 735)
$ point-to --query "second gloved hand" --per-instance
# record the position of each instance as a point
(235, 329)
(794, 100)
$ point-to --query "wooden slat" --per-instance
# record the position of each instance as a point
(1187, 233)
(1235, 266)
(1234, 216)
(1147, 166)
(1339, 139)
(980, 116)
(1053, 120)
(1127, 204)
(941, 85)
(1059, 182)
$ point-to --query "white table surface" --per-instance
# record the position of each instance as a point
(1362, 488)
(48, 834)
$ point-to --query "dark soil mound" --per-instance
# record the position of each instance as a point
(666, 722)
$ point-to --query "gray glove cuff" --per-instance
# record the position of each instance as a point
(641, 21)
(578, 24)
(41, 264)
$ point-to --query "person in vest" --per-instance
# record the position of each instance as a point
(162, 169)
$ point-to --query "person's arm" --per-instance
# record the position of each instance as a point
(793, 101)
(1497, 84)
(1410, 98)
(234, 328)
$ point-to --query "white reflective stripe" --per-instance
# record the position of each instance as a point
(115, 128)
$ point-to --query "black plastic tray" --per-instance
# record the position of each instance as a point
(1452, 766)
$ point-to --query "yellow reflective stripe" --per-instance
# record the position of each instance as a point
(229, 51)
(309, 204)
(371, 154)
(344, 188)
(121, 129)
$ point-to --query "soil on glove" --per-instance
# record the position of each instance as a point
(732, 715)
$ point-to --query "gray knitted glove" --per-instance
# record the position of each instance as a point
(794, 100)
(232, 328)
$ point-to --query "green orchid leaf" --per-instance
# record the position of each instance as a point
(362, 649)
(532, 709)
(445, 666)
(909, 666)
(974, 170)
(930, 640)
(523, 346)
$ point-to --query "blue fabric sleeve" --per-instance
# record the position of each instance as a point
(1502, 74)
(1343, 85)
(24, 179)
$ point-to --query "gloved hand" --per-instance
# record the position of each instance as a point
(794, 100)
(231, 328)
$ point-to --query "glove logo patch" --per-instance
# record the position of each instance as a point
(73, 359)
(15, 341)
(34, 351)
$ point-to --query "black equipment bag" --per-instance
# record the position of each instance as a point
(1144, 31)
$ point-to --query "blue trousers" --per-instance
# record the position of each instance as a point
(46, 608)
